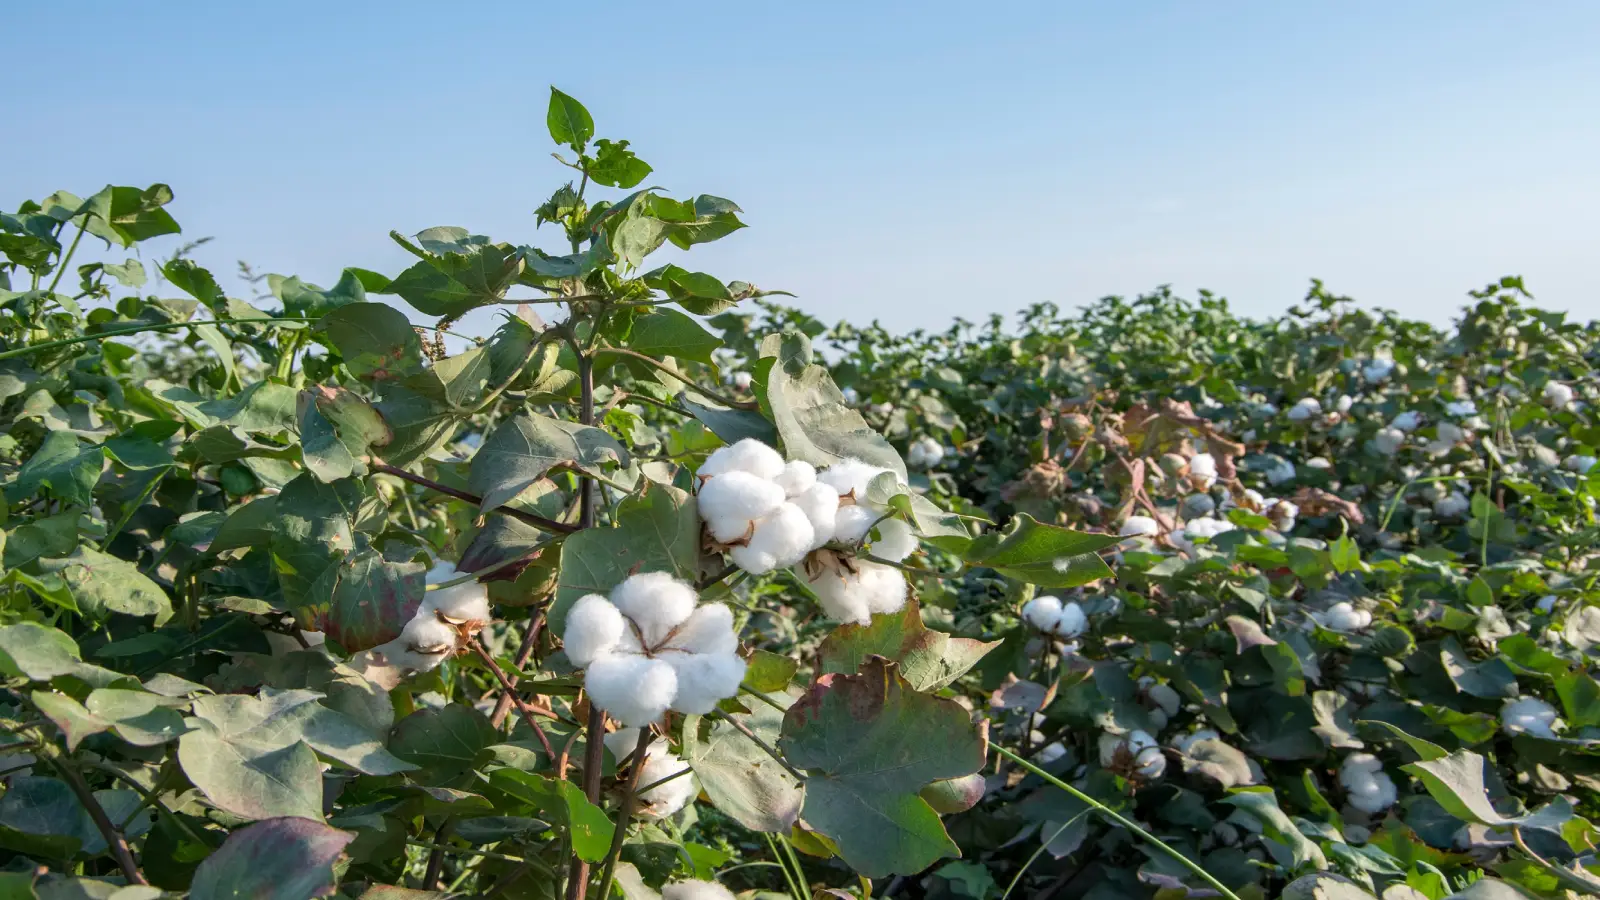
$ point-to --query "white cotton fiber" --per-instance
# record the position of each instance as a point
(593, 626)
(667, 799)
(852, 523)
(708, 630)
(848, 597)
(656, 602)
(749, 456)
(1389, 441)
(1202, 471)
(695, 890)
(703, 679)
(820, 505)
(635, 690)
(1367, 787)
(1557, 394)
(797, 477)
(730, 503)
(1137, 526)
(1042, 613)
(896, 540)
(426, 634)
(468, 602)
(850, 475)
(781, 539)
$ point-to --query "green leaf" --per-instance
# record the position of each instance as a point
(732, 425)
(377, 341)
(614, 165)
(283, 858)
(127, 215)
(445, 743)
(768, 672)
(75, 722)
(41, 816)
(370, 600)
(587, 826)
(669, 333)
(929, 660)
(66, 467)
(657, 530)
(1424, 749)
(1045, 555)
(868, 744)
(1261, 804)
(1491, 679)
(1324, 886)
(1456, 782)
(814, 422)
(303, 299)
(338, 429)
(138, 717)
(312, 531)
(41, 653)
(739, 777)
(188, 276)
(524, 449)
(102, 584)
(568, 121)
(455, 283)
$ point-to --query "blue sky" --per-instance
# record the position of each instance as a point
(905, 162)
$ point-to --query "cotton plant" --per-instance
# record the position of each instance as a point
(1389, 440)
(1447, 436)
(765, 512)
(1343, 617)
(1197, 529)
(651, 646)
(445, 621)
(1052, 617)
(660, 764)
(853, 589)
(1135, 751)
(1367, 786)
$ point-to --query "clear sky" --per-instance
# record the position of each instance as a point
(906, 162)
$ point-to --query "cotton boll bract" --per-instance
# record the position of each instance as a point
(1530, 715)
(1367, 787)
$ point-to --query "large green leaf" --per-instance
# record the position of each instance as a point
(63, 465)
(338, 430)
(127, 215)
(564, 802)
(868, 744)
(929, 660)
(41, 653)
(814, 422)
(138, 717)
(455, 283)
(102, 584)
(657, 530)
(1456, 782)
(1261, 804)
(313, 531)
(369, 600)
(377, 341)
(739, 777)
(284, 858)
(445, 743)
(667, 332)
(42, 817)
(568, 121)
(1046, 555)
(303, 299)
(524, 449)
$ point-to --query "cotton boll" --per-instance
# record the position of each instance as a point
(1319, 462)
(593, 627)
(1377, 369)
(781, 539)
(1557, 394)
(1367, 787)
(1461, 408)
(1202, 471)
(656, 602)
(667, 799)
(749, 456)
(635, 690)
(731, 503)
(896, 540)
(463, 602)
(1452, 505)
(1151, 762)
(851, 396)
(1344, 617)
(1138, 745)
(1073, 621)
(1135, 526)
(1042, 613)
(848, 597)
(924, 452)
(820, 505)
(851, 523)
(427, 634)
(1343, 404)
(1406, 421)
(1206, 528)
(884, 586)
(1282, 513)
(704, 679)
(798, 477)
(695, 890)
(1389, 441)
(1306, 408)
(709, 630)
(850, 476)
(741, 380)
(1530, 715)
(1579, 464)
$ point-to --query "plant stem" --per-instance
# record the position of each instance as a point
(430, 878)
(751, 735)
(115, 842)
(630, 803)
(464, 851)
(794, 860)
(762, 697)
(61, 266)
(526, 709)
(137, 329)
(713, 579)
(1116, 817)
(663, 367)
(593, 748)
(530, 639)
(788, 877)
(660, 781)
(539, 522)
(926, 573)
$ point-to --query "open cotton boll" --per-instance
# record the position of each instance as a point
(781, 539)
(1377, 369)
(708, 630)
(850, 477)
(1530, 715)
(659, 762)
(1343, 404)
(1557, 394)
(1139, 746)
(1367, 787)
(1545, 604)
(1452, 505)
(1051, 616)
(1461, 408)
(1206, 528)
(749, 456)
(656, 602)
(1306, 408)
(854, 597)
(1136, 526)
(820, 505)
(593, 626)
(896, 540)
(731, 503)
(1406, 421)
(635, 690)
(1049, 753)
(797, 477)
(1579, 464)
(695, 890)
(1344, 616)
(1319, 462)
(924, 452)
(1202, 471)
(1447, 436)
(851, 523)
(467, 602)
(1282, 513)
(704, 679)
(1389, 441)
(1186, 741)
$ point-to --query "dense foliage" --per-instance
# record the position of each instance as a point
(657, 598)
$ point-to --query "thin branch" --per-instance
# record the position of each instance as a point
(709, 580)
(539, 522)
(630, 803)
(524, 708)
(430, 878)
(595, 728)
(680, 376)
(530, 639)
(117, 844)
